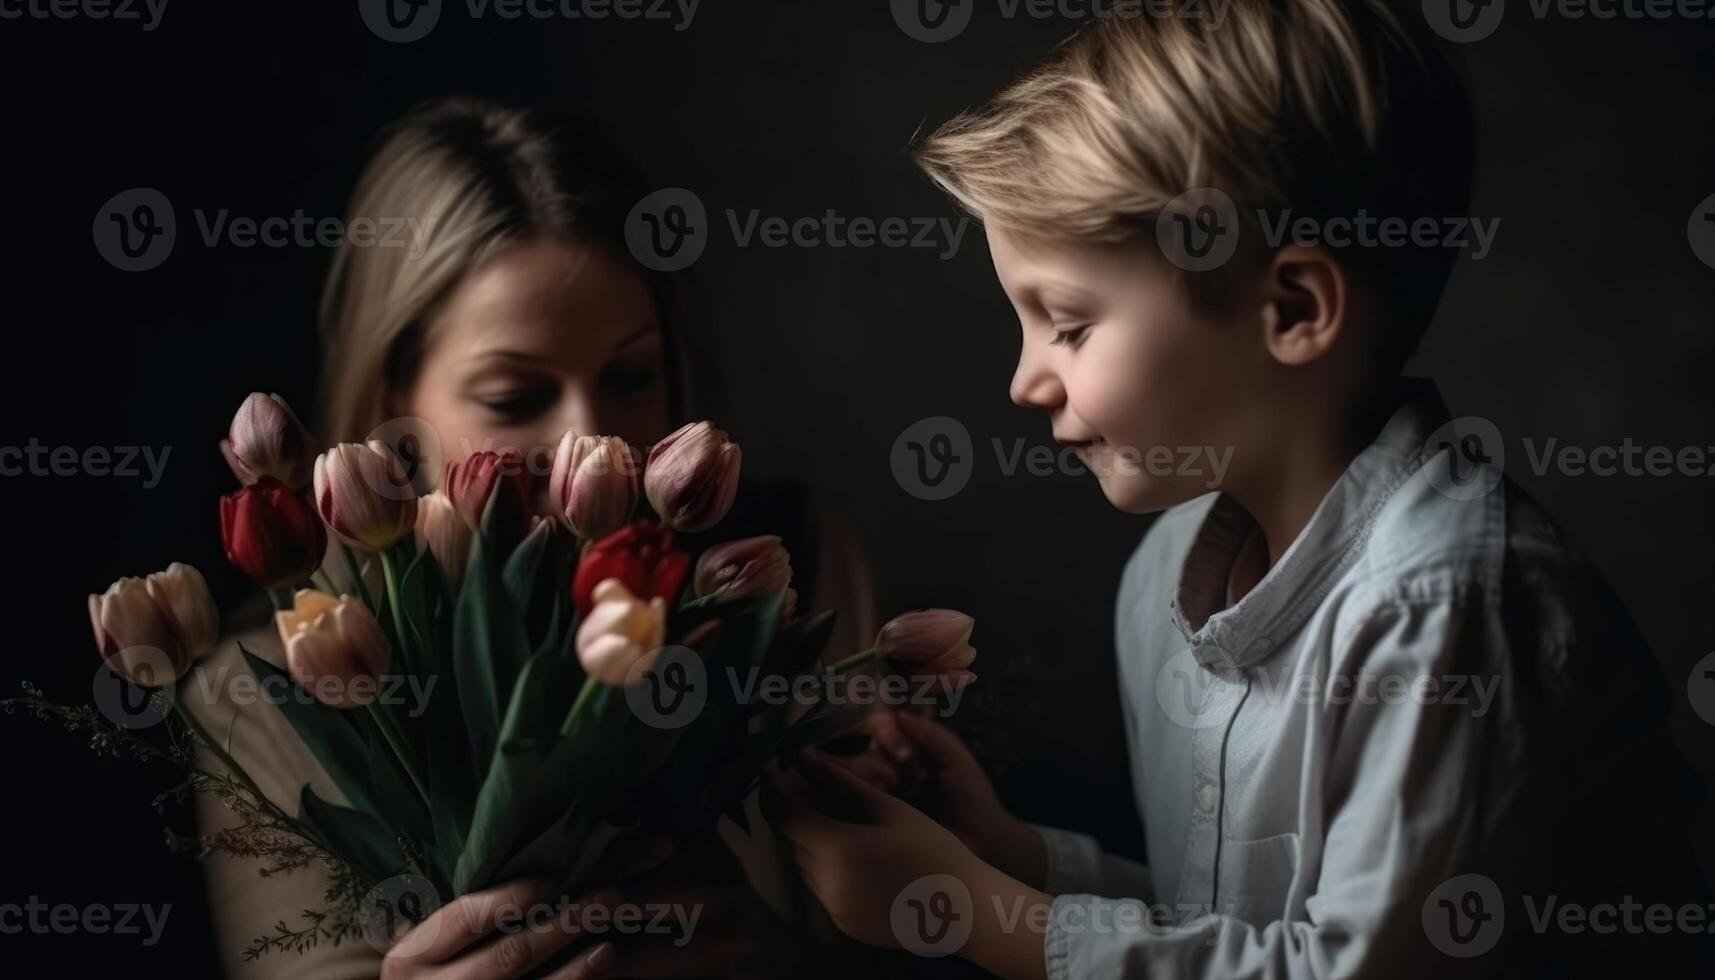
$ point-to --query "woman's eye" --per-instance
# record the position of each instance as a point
(1069, 336)
(518, 404)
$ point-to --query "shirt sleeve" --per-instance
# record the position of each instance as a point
(1076, 863)
(1399, 780)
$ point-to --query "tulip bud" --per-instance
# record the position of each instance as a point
(271, 533)
(473, 482)
(641, 554)
(743, 569)
(594, 483)
(620, 632)
(692, 477)
(929, 641)
(363, 496)
(149, 627)
(441, 530)
(334, 648)
(266, 439)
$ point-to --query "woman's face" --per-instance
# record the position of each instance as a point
(546, 336)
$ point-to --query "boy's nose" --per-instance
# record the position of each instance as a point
(1033, 386)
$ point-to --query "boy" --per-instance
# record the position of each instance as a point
(1380, 715)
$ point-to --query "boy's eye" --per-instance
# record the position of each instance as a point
(1069, 336)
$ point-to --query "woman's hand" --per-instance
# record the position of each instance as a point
(681, 918)
(495, 933)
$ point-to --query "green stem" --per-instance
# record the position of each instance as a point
(390, 572)
(854, 660)
(591, 685)
(396, 741)
(356, 570)
(321, 581)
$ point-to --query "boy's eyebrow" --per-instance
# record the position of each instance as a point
(1056, 291)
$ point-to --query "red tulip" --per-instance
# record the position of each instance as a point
(472, 481)
(271, 533)
(642, 555)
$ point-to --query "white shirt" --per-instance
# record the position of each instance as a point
(1382, 761)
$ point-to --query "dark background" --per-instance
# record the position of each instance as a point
(1590, 322)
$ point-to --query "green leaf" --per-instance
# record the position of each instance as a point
(400, 808)
(357, 838)
(533, 777)
(331, 734)
(489, 651)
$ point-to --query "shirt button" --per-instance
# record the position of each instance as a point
(1207, 796)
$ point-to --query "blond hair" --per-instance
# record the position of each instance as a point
(1321, 106)
(475, 178)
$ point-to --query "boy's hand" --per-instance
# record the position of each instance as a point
(858, 848)
(955, 791)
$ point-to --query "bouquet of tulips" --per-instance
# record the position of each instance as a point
(514, 692)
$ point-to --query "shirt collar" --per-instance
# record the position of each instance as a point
(1249, 630)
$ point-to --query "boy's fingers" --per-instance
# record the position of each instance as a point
(792, 815)
(939, 746)
(845, 793)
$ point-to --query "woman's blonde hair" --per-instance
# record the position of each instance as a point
(469, 178)
(1320, 106)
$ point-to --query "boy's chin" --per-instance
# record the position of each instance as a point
(1140, 494)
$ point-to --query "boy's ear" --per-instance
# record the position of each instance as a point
(1305, 299)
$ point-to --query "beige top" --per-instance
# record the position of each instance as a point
(244, 904)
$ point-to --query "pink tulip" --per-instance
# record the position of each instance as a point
(929, 641)
(743, 569)
(362, 494)
(692, 477)
(266, 439)
(594, 484)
